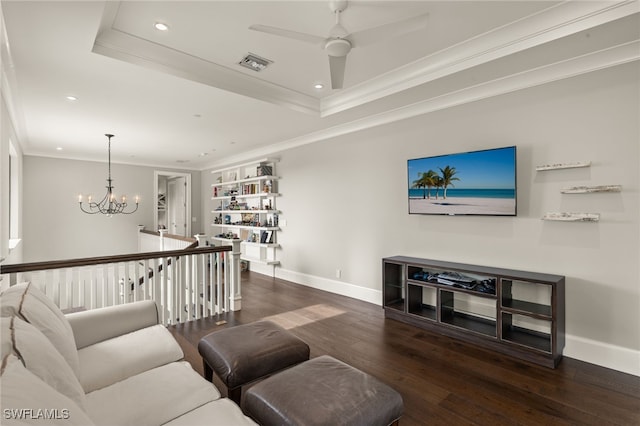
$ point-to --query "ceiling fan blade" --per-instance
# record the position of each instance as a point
(307, 38)
(388, 31)
(336, 67)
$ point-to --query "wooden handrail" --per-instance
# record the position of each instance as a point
(89, 261)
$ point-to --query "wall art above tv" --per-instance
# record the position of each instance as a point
(465, 183)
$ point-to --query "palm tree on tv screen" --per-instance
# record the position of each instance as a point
(426, 181)
(418, 183)
(438, 182)
(448, 174)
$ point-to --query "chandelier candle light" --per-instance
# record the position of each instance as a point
(108, 205)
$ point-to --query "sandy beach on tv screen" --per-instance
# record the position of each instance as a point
(463, 205)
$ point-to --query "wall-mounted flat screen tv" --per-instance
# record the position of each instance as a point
(466, 183)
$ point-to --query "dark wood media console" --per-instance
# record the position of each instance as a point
(514, 312)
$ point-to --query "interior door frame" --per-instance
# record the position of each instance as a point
(168, 175)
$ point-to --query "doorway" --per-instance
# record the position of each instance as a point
(173, 202)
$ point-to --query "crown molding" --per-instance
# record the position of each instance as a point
(135, 50)
(550, 24)
(547, 25)
(602, 59)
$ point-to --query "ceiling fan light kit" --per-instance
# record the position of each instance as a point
(340, 42)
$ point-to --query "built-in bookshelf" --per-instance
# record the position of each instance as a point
(244, 206)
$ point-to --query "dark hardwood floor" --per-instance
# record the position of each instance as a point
(442, 381)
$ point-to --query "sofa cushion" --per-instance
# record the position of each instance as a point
(96, 325)
(39, 357)
(28, 400)
(151, 398)
(222, 412)
(113, 360)
(24, 300)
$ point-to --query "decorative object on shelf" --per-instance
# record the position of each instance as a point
(264, 170)
(108, 205)
(556, 166)
(591, 189)
(572, 217)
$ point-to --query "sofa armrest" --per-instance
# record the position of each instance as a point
(96, 325)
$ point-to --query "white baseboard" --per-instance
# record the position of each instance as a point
(603, 354)
(339, 287)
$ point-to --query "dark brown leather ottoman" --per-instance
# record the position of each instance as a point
(242, 354)
(322, 391)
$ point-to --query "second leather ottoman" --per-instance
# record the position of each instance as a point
(320, 392)
(242, 354)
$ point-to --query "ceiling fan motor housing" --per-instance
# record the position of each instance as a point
(337, 47)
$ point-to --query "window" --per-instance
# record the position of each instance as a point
(14, 195)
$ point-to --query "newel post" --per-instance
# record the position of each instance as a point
(235, 294)
(163, 232)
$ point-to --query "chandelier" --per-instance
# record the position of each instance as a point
(109, 205)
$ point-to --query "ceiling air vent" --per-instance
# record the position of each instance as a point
(255, 62)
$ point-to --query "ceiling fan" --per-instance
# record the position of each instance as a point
(340, 42)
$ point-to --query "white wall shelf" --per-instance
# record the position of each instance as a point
(591, 189)
(571, 217)
(557, 166)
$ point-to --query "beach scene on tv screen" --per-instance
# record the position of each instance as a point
(480, 182)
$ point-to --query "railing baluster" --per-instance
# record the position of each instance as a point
(180, 284)
(77, 283)
(117, 297)
(219, 283)
(227, 275)
(201, 271)
(105, 285)
(146, 288)
(126, 287)
(166, 298)
(94, 288)
(211, 291)
(186, 284)
(56, 287)
(175, 312)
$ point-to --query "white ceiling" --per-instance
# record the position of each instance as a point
(180, 99)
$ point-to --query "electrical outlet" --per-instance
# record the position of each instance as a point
(338, 273)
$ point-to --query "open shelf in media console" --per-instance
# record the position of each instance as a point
(527, 332)
(423, 301)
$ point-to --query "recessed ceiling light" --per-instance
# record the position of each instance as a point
(203, 154)
(318, 86)
(58, 148)
(161, 26)
(71, 98)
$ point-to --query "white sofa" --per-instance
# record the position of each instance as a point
(110, 366)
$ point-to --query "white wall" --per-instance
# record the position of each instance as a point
(55, 228)
(345, 207)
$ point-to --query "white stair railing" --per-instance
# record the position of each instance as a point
(186, 284)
